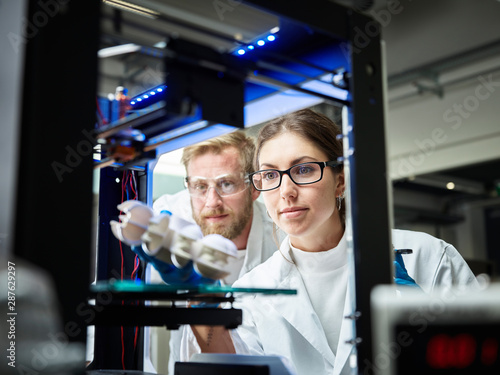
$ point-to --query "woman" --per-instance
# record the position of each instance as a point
(303, 186)
(305, 202)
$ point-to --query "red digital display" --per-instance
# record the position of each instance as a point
(449, 349)
(460, 351)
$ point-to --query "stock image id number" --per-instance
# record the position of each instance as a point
(11, 286)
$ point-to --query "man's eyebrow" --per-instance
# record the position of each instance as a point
(227, 175)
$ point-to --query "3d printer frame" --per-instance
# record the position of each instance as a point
(353, 38)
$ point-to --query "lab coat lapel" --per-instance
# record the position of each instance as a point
(254, 255)
(346, 334)
(303, 318)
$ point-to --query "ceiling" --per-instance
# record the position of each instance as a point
(471, 182)
(416, 32)
(197, 20)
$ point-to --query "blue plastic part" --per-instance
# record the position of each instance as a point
(402, 277)
(109, 109)
(170, 274)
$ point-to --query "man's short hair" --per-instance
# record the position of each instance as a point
(238, 139)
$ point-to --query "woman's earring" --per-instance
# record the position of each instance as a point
(339, 201)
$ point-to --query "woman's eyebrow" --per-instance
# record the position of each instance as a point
(302, 159)
(267, 166)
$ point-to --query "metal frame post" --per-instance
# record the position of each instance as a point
(369, 177)
(54, 178)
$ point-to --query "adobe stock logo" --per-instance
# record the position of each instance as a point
(223, 6)
(471, 103)
(381, 18)
(74, 156)
(439, 136)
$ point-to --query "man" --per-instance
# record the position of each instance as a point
(223, 201)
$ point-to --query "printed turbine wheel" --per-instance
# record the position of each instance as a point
(133, 223)
(157, 240)
(215, 251)
(184, 247)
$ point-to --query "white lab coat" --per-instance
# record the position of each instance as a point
(288, 325)
(178, 204)
(260, 246)
(434, 263)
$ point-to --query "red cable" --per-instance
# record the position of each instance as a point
(136, 267)
(104, 120)
(125, 182)
(121, 276)
(135, 338)
(123, 302)
(133, 190)
(121, 254)
(123, 185)
(123, 349)
(132, 182)
(135, 187)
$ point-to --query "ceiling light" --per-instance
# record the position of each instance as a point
(456, 184)
(161, 44)
(118, 50)
(130, 7)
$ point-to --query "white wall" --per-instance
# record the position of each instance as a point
(429, 134)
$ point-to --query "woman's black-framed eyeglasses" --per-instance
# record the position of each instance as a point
(300, 174)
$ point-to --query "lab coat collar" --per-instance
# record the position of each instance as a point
(305, 320)
(346, 334)
(255, 253)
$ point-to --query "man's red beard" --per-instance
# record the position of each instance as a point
(230, 231)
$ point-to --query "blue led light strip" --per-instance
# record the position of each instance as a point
(148, 97)
(261, 41)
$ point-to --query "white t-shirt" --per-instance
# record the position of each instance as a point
(324, 275)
